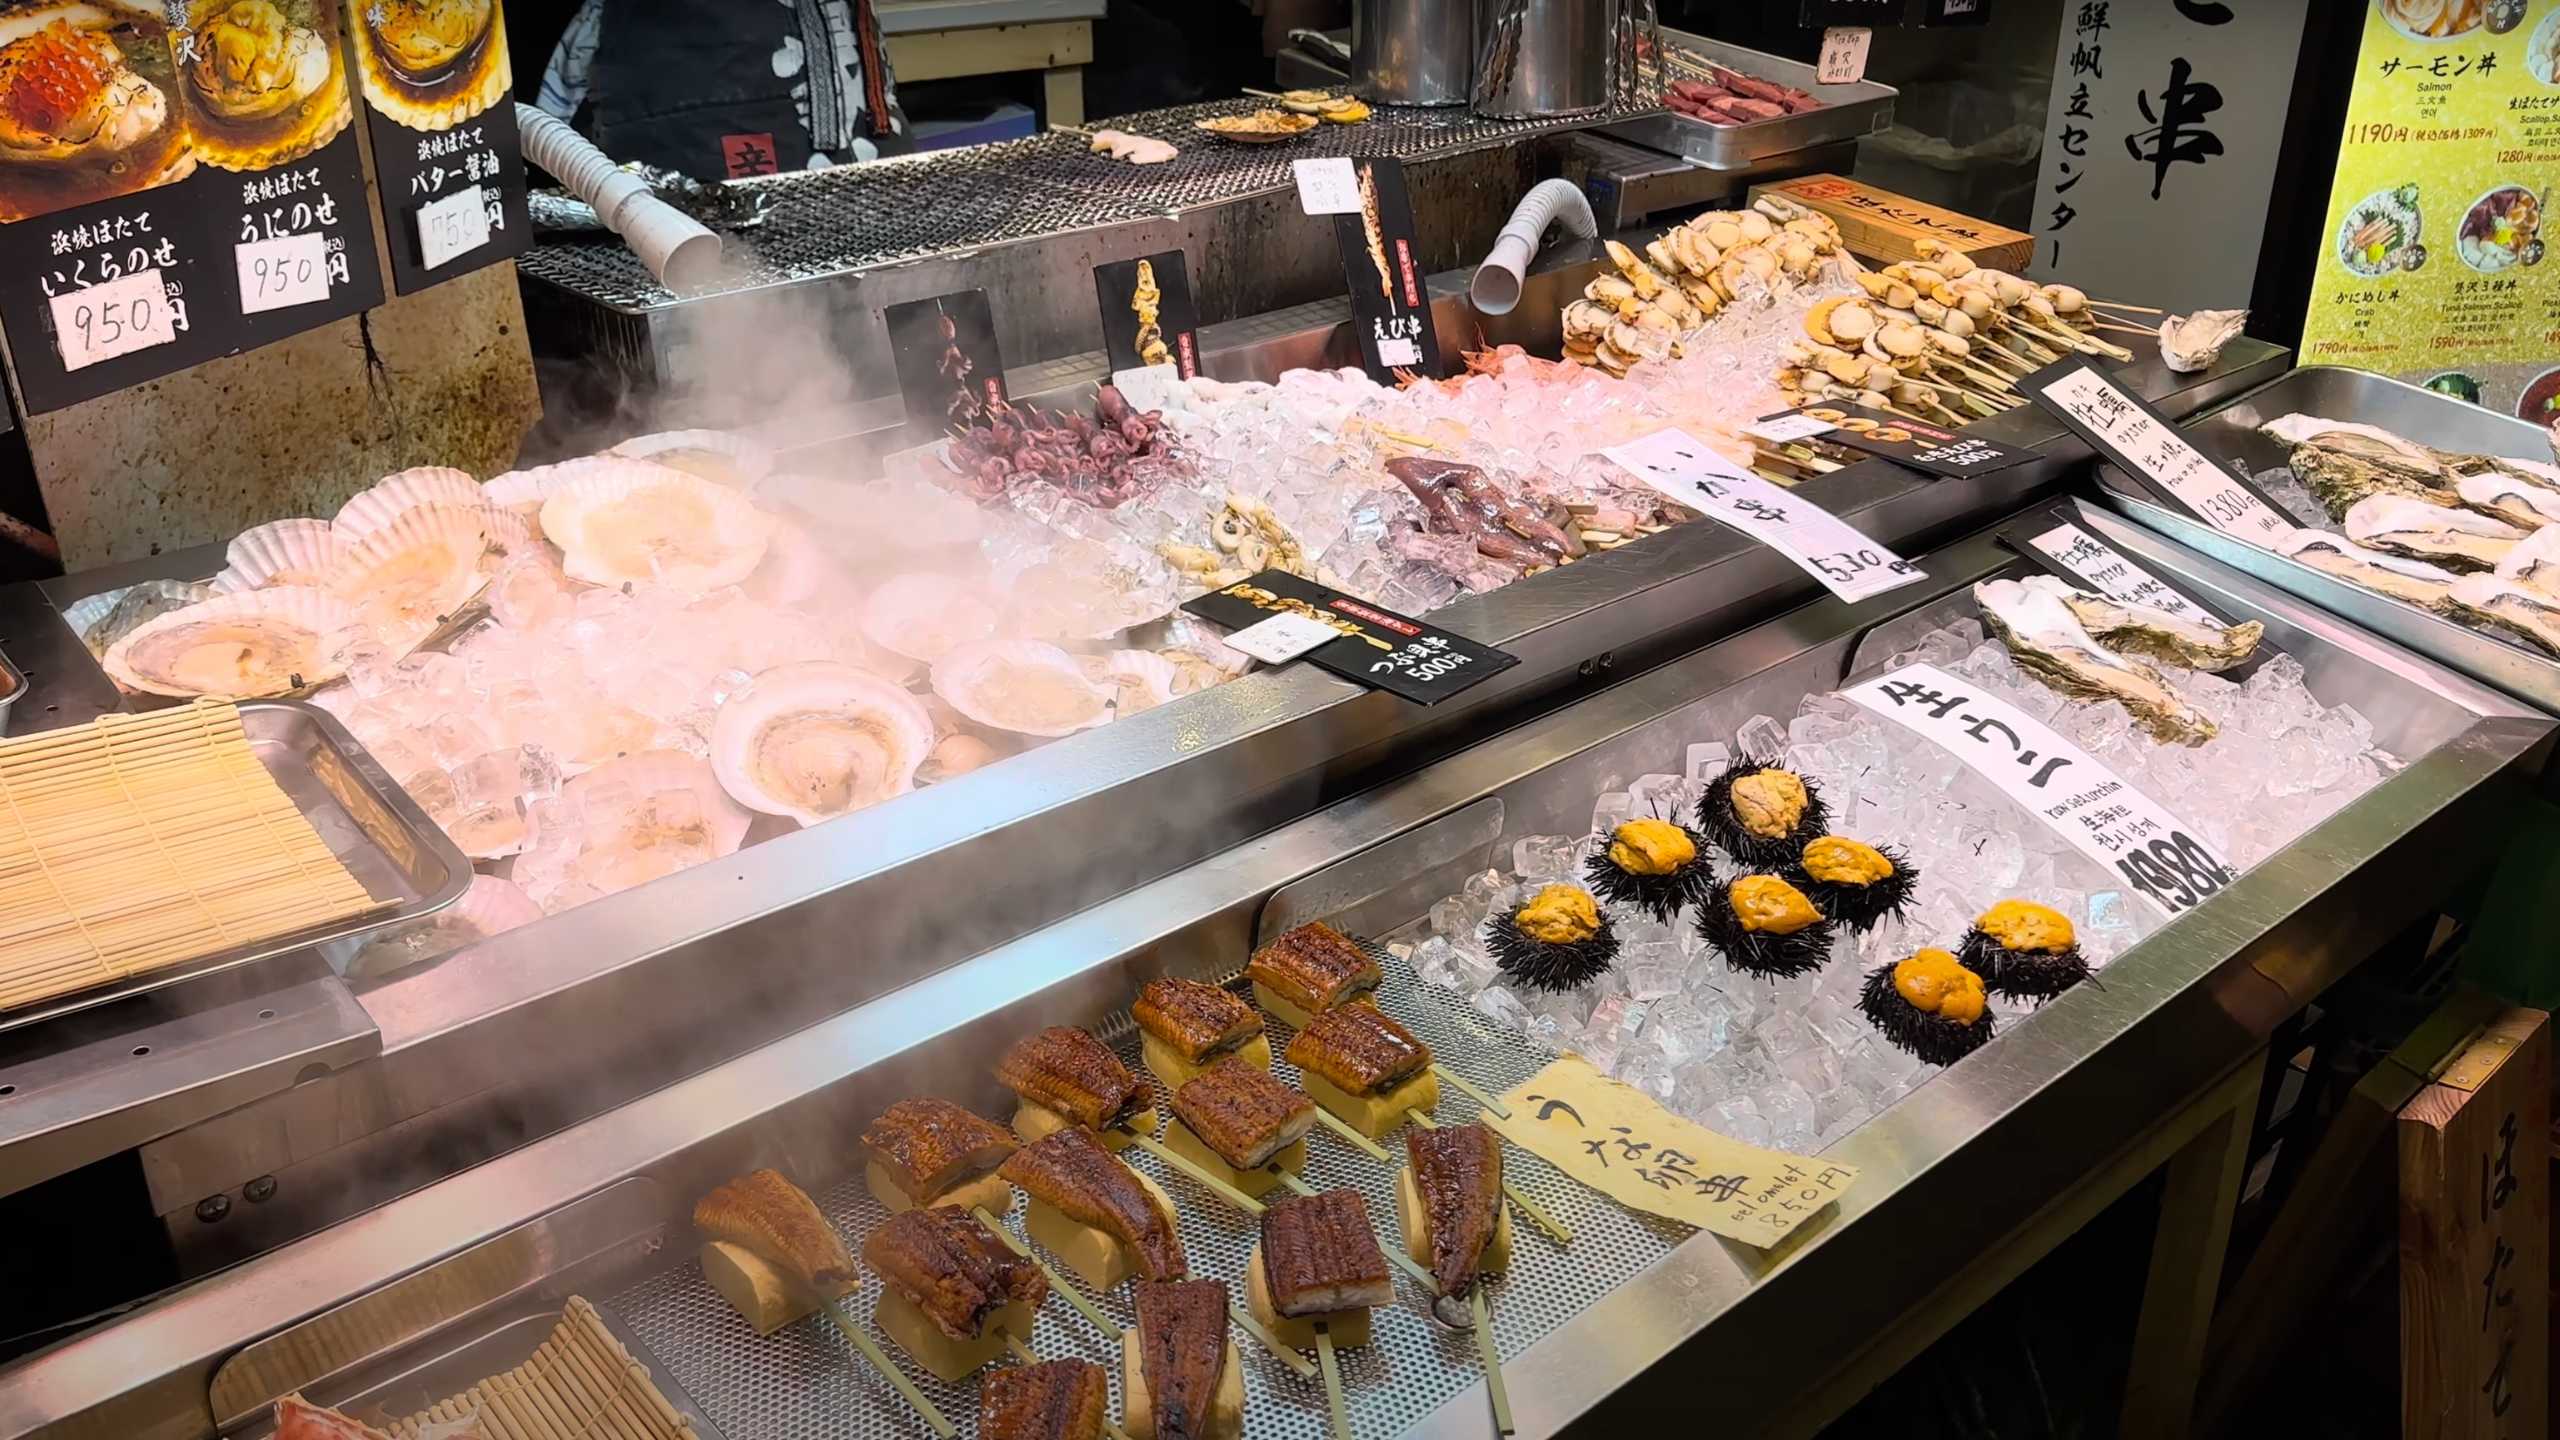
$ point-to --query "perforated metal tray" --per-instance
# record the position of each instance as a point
(806, 1383)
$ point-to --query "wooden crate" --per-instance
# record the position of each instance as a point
(1880, 225)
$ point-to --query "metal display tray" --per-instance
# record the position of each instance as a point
(1609, 1333)
(390, 845)
(1861, 107)
(2230, 434)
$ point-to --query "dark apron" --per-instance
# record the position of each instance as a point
(690, 85)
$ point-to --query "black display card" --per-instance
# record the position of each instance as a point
(949, 367)
(1422, 662)
(1390, 305)
(1928, 448)
(1126, 337)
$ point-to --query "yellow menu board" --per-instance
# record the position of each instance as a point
(2432, 267)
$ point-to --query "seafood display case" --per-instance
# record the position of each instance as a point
(1627, 1315)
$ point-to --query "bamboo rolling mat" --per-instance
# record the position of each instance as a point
(580, 1384)
(139, 842)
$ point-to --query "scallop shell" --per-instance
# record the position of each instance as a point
(722, 457)
(490, 907)
(1138, 679)
(645, 848)
(631, 522)
(925, 616)
(286, 552)
(817, 739)
(393, 496)
(412, 574)
(1021, 685)
(474, 79)
(244, 646)
(799, 572)
(522, 492)
(511, 533)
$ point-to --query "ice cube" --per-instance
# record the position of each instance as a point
(1660, 797)
(1648, 1071)
(1547, 858)
(1790, 1113)
(1655, 973)
(525, 772)
(1739, 1118)
(1708, 760)
(1762, 738)
(1613, 809)
(1499, 1005)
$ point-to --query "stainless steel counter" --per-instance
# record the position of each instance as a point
(1967, 1159)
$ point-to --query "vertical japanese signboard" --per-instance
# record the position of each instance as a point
(2160, 144)
(186, 184)
(2431, 265)
(1373, 226)
(448, 162)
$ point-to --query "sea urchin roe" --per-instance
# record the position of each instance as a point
(1559, 915)
(2024, 925)
(1651, 847)
(1935, 983)
(1769, 803)
(1765, 902)
(1839, 860)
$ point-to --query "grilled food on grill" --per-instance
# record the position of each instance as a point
(1450, 1201)
(1314, 967)
(768, 1216)
(954, 1290)
(1241, 1125)
(1052, 1400)
(1364, 1067)
(1180, 1376)
(1185, 1027)
(1318, 1262)
(932, 1152)
(1077, 1186)
(1066, 1077)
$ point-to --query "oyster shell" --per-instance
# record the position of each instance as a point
(411, 575)
(2427, 586)
(2456, 539)
(817, 739)
(2535, 562)
(723, 457)
(301, 551)
(392, 496)
(239, 647)
(631, 522)
(1022, 686)
(927, 616)
(2049, 642)
(2342, 468)
(2519, 499)
(2141, 630)
(2192, 342)
(2298, 428)
(2504, 605)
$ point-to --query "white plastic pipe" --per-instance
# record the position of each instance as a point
(675, 247)
(1496, 287)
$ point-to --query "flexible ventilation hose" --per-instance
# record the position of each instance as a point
(1496, 287)
(675, 247)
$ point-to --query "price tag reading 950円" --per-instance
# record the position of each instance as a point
(1822, 544)
(452, 227)
(2076, 797)
(122, 316)
(284, 272)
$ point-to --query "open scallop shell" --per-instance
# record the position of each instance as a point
(490, 907)
(631, 522)
(816, 740)
(239, 647)
(1138, 679)
(1021, 685)
(722, 457)
(301, 551)
(925, 617)
(409, 576)
(416, 77)
(392, 496)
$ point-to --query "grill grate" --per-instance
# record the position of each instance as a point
(805, 1383)
(854, 217)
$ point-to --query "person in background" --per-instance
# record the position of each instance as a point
(1279, 17)
(717, 89)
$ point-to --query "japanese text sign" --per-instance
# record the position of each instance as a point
(281, 273)
(2057, 782)
(1915, 444)
(1621, 1142)
(2105, 569)
(112, 318)
(1820, 543)
(2140, 441)
(1390, 306)
(1374, 646)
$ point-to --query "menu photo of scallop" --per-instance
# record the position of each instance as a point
(436, 81)
(88, 104)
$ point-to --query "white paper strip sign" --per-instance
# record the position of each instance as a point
(1327, 187)
(1822, 544)
(2111, 573)
(2075, 796)
(2135, 437)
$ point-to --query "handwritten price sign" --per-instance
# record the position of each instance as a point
(452, 227)
(281, 273)
(1820, 543)
(2133, 435)
(120, 317)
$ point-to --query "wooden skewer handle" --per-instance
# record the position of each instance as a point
(889, 1371)
(1491, 1356)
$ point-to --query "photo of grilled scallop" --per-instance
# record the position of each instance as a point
(432, 64)
(264, 82)
(85, 113)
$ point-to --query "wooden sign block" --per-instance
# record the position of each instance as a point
(1884, 226)
(2475, 1228)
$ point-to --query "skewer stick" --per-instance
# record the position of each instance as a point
(1343, 1128)
(1259, 94)
(1527, 1206)
(2096, 303)
(1282, 1353)
(1500, 1111)
(1057, 1281)
(1023, 1355)
(2121, 328)
(1223, 1190)
(1492, 1359)
(889, 1371)
(1333, 1401)
(1076, 130)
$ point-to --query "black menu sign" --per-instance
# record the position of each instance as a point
(1148, 316)
(1390, 307)
(1422, 662)
(448, 161)
(200, 191)
(1905, 441)
(949, 369)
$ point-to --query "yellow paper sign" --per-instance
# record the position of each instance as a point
(1619, 1141)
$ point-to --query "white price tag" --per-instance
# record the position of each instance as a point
(2076, 797)
(1150, 387)
(1283, 637)
(1327, 187)
(1397, 350)
(2113, 575)
(1779, 429)
(452, 226)
(281, 273)
(117, 317)
(1844, 55)
(2113, 421)
(1820, 543)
